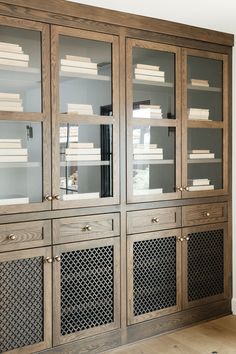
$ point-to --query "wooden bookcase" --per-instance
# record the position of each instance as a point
(115, 197)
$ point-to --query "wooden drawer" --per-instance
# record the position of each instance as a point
(204, 214)
(86, 227)
(153, 219)
(25, 235)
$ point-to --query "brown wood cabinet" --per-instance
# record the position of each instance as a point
(115, 171)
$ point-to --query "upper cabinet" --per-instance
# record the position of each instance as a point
(24, 116)
(85, 118)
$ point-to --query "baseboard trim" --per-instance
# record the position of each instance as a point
(233, 304)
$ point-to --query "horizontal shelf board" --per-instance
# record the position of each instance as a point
(20, 164)
(153, 83)
(84, 163)
(20, 69)
(154, 122)
(93, 119)
(204, 160)
(204, 88)
(197, 123)
(153, 162)
(73, 75)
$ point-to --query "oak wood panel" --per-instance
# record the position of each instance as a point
(126, 20)
(153, 219)
(204, 214)
(85, 228)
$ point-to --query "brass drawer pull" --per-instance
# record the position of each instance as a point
(48, 198)
(181, 239)
(11, 237)
(207, 214)
(187, 238)
(87, 228)
(57, 258)
(155, 220)
(179, 189)
(48, 260)
(57, 197)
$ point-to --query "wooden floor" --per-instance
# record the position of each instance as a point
(217, 336)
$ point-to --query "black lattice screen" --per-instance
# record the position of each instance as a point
(21, 303)
(205, 264)
(87, 298)
(154, 274)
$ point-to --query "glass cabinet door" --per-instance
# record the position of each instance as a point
(85, 118)
(205, 124)
(24, 116)
(153, 120)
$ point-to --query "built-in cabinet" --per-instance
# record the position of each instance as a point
(115, 204)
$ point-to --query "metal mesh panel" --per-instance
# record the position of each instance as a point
(86, 289)
(21, 303)
(205, 264)
(154, 274)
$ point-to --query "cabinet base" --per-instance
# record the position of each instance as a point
(100, 343)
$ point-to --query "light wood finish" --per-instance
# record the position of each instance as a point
(217, 336)
(25, 235)
(47, 293)
(85, 228)
(204, 214)
(153, 219)
(151, 236)
(57, 251)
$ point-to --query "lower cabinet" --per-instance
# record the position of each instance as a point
(86, 286)
(25, 300)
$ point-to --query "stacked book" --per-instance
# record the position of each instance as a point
(196, 82)
(77, 64)
(200, 154)
(147, 152)
(12, 151)
(13, 55)
(83, 109)
(148, 111)
(149, 73)
(82, 152)
(199, 184)
(78, 196)
(198, 113)
(10, 102)
(148, 191)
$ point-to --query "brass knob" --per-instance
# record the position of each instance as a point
(48, 198)
(186, 188)
(11, 237)
(57, 258)
(207, 214)
(187, 238)
(155, 220)
(48, 260)
(89, 228)
(57, 197)
(179, 189)
(181, 239)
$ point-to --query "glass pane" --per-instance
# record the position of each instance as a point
(85, 76)
(205, 165)
(20, 162)
(86, 161)
(20, 70)
(153, 160)
(205, 89)
(153, 84)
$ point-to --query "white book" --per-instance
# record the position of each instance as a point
(12, 62)
(14, 152)
(78, 58)
(7, 48)
(81, 145)
(148, 191)
(93, 151)
(10, 140)
(200, 188)
(79, 106)
(11, 109)
(23, 158)
(195, 151)
(149, 110)
(83, 157)
(148, 151)
(80, 196)
(80, 64)
(72, 69)
(15, 200)
(10, 101)
(10, 104)
(149, 78)
(6, 145)
(148, 67)
(197, 117)
(6, 95)
(148, 115)
(199, 182)
(201, 156)
(145, 146)
(148, 157)
(81, 112)
(199, 110)
(12, 45)
(149, 72)
(15, 56)
(151, 106)
(196, 82)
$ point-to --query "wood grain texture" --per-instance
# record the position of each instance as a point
(204, 214)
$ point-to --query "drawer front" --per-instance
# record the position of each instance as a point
(86, 227)
(153, 219)
(25, 235)
(204, 214)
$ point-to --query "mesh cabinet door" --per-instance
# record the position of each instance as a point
(205, 266)
(86, 284)
(153, 275)
(25, 305)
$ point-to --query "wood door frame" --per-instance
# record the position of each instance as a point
(57, 250)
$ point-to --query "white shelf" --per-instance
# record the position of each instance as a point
(20, 164)
(73, 75)
(204, 88)
(204, 160)
(153, 83)
(153, 162)
(84, 163)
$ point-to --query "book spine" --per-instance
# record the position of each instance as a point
(79, 70)
(201, 156)
(15, 56)
(200, 188)
(83, 157)
(14, 152)
(11, 109)
(150, 78)
(149, 72)
(93, 151)
(199, 151)
(13, 158)
(81, 145)
(4, 95)
(77, 63)
(13, 62)
(10, 145)
(150, 106)
(148, 67)
(78, 58)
